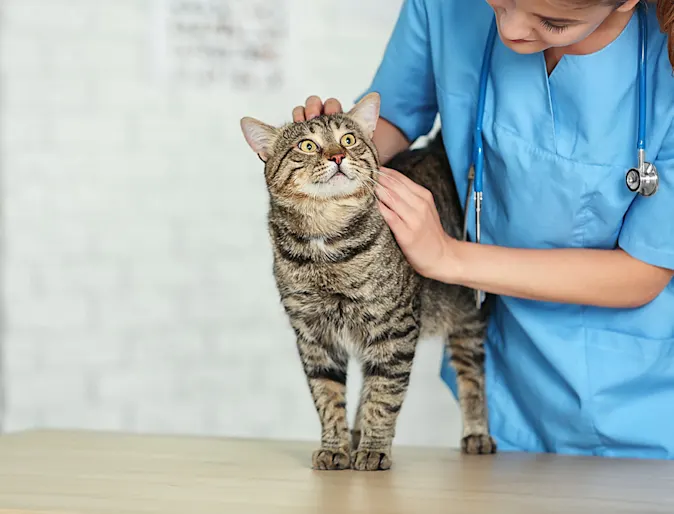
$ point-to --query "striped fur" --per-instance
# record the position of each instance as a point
(348, 290)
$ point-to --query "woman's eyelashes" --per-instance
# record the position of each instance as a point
(553, 27)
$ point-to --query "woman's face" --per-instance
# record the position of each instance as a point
(528, 26)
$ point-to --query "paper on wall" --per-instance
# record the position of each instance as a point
(235, 43)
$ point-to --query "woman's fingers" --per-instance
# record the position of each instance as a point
(298, 114)
(314, 107)
(332, 106)
(391, 217)
(395, 202)
(401, 189)
(403, 181)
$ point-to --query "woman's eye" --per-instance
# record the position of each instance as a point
(348, 140)
(552, 27)
(308, 146)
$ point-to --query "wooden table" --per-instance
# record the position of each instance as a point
(83, 472)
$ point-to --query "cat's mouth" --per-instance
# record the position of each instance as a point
(338, 176)
(336, 182)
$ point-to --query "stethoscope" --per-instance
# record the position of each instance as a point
(642, 179)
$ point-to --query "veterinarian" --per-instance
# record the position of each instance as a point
(576, 253)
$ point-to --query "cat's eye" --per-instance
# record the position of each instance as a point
(308, 146)
(348, 140)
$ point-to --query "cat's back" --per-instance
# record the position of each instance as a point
(446, 307)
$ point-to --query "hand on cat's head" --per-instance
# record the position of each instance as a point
(331, 154)
(314, 107)
(261, 136)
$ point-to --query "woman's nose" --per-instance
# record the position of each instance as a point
(513, 25)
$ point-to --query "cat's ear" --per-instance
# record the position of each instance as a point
(259, 136)
(366, 112)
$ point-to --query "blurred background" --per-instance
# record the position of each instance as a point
(136, 268)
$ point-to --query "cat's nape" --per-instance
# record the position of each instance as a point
(347, 288)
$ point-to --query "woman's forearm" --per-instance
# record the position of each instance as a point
(388, 140)
(604, 278)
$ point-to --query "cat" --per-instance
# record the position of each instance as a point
(348, 290)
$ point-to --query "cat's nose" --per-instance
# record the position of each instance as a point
(337, 158)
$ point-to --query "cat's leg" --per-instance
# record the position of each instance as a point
(325, 368)
(387, 364)
(467, 359)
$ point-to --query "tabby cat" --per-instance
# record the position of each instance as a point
(349, 291)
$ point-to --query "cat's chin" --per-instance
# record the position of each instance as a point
(338, 186)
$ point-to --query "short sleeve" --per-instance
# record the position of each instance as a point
(405, 79)
(648, 228)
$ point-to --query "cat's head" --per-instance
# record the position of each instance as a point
(329, 158)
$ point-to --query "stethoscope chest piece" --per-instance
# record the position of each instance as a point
(643, 180)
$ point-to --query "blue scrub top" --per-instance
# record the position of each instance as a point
(560, 378)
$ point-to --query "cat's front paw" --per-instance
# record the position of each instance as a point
(331, 459)
(370, 460)
(478, 444)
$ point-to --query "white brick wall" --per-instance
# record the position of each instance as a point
(137, 281)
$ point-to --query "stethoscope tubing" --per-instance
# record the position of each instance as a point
(477, 166)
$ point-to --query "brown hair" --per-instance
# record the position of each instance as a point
(665, 12)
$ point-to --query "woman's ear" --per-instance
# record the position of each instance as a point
(366, 112)
(259, 136)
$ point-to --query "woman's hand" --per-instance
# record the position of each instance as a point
(410, 212)
(314, 107)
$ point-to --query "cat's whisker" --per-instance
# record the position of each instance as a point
(370, 190)
(396, 180)
(369, 187)
(376, 184)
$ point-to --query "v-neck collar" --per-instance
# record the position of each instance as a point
(578, 81)
(547, 109)
(585, 59)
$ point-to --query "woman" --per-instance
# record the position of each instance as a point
(580, 349)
